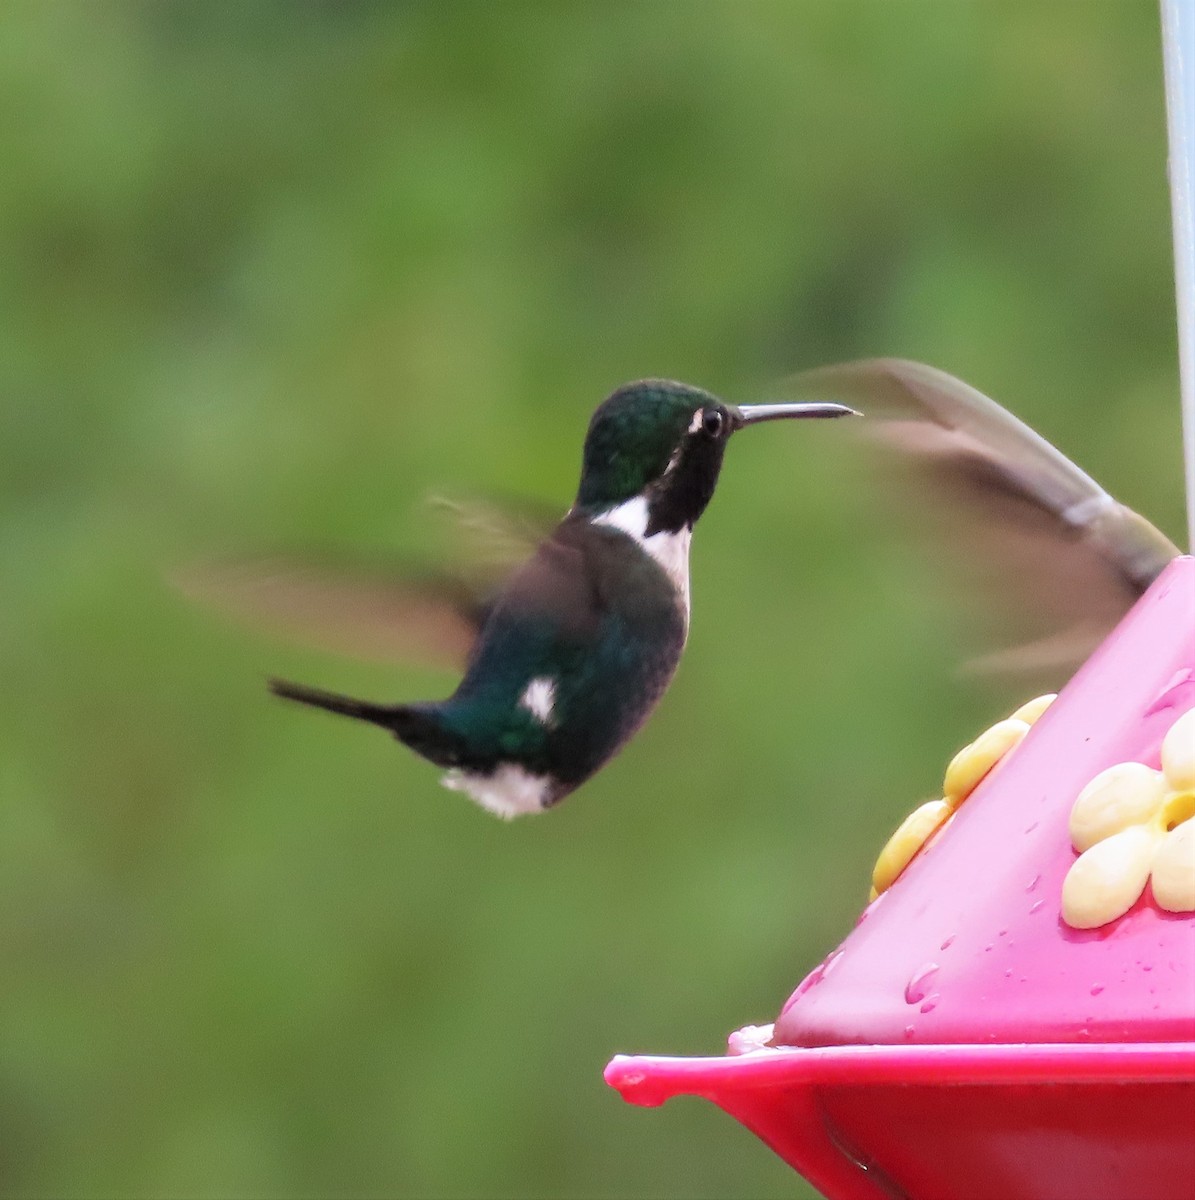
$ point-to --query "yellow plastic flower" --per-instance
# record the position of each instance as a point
(964, 774)
(1132, 825)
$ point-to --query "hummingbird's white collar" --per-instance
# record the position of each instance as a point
(669, 548)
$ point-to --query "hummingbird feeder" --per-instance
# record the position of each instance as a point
(1013, 1015)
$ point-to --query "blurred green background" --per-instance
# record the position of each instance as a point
(271, 272)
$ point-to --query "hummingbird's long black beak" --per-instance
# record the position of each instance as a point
(750, 414)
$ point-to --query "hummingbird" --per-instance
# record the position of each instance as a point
(570, 655)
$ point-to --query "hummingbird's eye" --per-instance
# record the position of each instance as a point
(713, 422)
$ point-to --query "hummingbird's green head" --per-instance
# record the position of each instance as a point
(664, 441)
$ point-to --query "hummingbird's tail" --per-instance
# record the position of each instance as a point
(417, 726)
(376, 714)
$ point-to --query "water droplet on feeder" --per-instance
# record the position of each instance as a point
(1173, 694)
(918, 986)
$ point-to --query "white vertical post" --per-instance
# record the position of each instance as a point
(1178, 45)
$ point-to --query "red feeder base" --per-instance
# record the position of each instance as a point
(1065, 1122)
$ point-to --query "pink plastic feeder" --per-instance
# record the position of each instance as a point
(964, 1041)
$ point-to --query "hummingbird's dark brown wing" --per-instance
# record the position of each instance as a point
(392, 615)
(493, 536)
(1042, 546)
(372, 616)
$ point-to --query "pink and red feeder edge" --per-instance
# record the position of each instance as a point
(963, 1041)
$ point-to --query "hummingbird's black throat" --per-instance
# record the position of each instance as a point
(681, 495)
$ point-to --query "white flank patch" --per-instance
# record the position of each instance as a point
(539, 699)
(509, 792)
(670, 550)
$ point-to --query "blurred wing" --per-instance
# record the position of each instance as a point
(378, 618)
(1044, 548)
(495, 536)
(391, 616)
